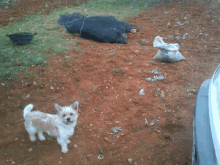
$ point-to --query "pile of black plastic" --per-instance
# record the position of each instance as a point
(97, 28)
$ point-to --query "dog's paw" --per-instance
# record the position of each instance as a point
(64, 150)
(68, 141)
(42, 138)
(33, 139)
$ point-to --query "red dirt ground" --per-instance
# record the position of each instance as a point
(110, 97)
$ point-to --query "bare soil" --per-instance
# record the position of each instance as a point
(106, 79)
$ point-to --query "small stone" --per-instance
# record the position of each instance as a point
(168, 23)
(7, 125)
(51, 87)
(136, 51)
(90, 125)
(49, 28)
(30, 149)
(162, 94)
(180, 24)
(170, 36)
(13, 162)
(59, 162)
(16, 139)
(18, 63)
(133, 31)
(166, 135)
(34, 83)
(11, 19)
(129, 160)
(75, 145)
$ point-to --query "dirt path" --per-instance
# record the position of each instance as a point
(106, 79)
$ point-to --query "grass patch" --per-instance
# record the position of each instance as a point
(52, 37)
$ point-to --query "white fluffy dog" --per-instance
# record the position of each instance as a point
(60, 125)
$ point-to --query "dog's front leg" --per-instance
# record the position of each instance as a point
(63, 144)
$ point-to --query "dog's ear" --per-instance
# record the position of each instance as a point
(57, 108)
(75, 105)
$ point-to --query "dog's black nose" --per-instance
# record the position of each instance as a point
(68, 119)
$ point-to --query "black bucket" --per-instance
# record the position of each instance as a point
(21, 38)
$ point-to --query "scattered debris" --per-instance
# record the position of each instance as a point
(143, 40)
(178, 37)
(156, 78)
(100, 156)
(139, 71)
(162, 94)
(145, 121)
(170, 36)
(154, 63)
(146, 48)
(191, 90)
(116, 129)
(136, 51)
(180, 24)
(166, 12)
(184, 36)
(154, 71)
(158, 92)
(129, 160)
(154, 121)
(141, 92)
(168, 23)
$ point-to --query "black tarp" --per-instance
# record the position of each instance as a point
(97, 28)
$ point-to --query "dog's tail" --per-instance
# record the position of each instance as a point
(27, 109)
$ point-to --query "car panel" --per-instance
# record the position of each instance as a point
(204, 152)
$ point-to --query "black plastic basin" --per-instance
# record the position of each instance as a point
(21, 38)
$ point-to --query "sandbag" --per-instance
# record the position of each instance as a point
(167, 52)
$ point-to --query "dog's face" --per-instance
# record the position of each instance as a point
(68, 114)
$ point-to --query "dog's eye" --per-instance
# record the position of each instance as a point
(64, 115)
(71, 114)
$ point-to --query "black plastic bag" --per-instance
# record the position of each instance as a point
(97, 28)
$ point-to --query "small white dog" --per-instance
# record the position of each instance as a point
(60, 125)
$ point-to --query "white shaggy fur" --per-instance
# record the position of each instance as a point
(60, 125)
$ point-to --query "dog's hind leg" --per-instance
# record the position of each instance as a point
(41, 136)
(31, 130)
(32, 134)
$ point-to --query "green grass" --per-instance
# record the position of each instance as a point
(51, 36)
